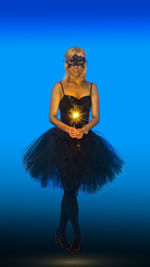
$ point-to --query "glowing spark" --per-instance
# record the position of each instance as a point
(76, 115)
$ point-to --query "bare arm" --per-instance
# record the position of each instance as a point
(54, 106)
(95, 108)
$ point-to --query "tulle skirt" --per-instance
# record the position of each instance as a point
(58, 160)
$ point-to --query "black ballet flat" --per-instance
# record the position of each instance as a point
(61, 241)
(75, 246)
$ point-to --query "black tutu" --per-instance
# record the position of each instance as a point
(56, 159)
(59, 160)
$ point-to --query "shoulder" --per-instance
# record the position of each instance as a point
(92, 84)
(57, 85)
(94, 88)
(57, 88)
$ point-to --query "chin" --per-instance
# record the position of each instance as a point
(75, 74)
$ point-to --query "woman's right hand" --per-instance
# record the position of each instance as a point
(72, 132)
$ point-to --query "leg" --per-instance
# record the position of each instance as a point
(63, 218)
(72, 209)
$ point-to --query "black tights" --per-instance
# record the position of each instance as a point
(69, 211)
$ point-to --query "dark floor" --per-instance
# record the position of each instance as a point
(28, 249)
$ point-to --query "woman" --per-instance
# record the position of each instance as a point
(70, 155)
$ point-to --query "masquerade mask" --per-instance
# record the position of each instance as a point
(76, 60)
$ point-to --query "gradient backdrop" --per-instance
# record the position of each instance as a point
(34, 37)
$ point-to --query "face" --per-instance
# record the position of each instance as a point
(76, 70)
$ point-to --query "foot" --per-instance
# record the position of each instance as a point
(61, 239)
(75, 246)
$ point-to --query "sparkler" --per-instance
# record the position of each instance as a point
(76, 115)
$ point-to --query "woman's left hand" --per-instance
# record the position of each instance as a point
(79, 134)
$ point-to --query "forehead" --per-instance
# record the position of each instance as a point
(80, 54)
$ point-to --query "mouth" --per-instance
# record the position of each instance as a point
(76, 71)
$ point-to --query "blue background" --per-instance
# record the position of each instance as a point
(33, 40)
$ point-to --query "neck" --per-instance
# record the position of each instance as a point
(75, 80)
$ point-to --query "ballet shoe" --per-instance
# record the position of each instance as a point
(75, 246)
(61, 240)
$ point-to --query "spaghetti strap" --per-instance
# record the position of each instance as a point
(91, 88)
(62, 87)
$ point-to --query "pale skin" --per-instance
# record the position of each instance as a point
(78, 89)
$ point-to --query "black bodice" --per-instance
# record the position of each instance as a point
(70, 104)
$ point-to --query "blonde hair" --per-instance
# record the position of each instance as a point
(68, 55)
